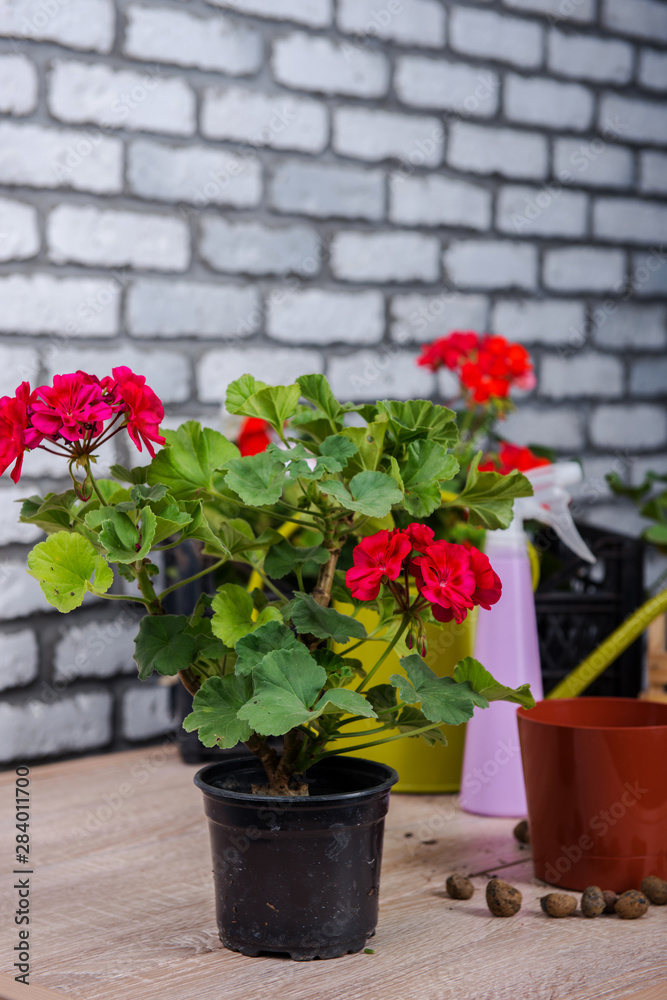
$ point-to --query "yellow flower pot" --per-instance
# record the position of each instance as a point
(421, 768)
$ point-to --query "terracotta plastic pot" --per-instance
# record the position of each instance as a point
(596, 784)
(297, 876)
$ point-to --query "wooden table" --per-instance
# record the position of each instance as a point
(122, 906)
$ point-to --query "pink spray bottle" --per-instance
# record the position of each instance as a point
(507, 644)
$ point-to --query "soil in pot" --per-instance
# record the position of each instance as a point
(297, 876)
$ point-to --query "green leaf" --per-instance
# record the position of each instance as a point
(335, 451)
(369, 442)
(489, 496)
(257, 479)
(120, 536)
(656, 534)
(273, 403)
(64, 564)
(428, 464)
(472, 672)
(371, 493)
(419, 418)
(442, 698)
(233, 614)
(191, 460)
(317, 391)
(136, 475)
(286, 684)
(53, 513)
(252, 648)
(342, 700)
(161, 644)
(340, 669)
(383, 699)
(215, 712)
(282, 558)
(310, 618)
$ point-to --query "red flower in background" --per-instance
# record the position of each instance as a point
(14, 422)
(378, 555)
(513, 456)
(143, 409)
(488, 366)
(73, 408)
(253, 437)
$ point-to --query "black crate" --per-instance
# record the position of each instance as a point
(579, 605)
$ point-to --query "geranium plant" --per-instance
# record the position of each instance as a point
(278, 661)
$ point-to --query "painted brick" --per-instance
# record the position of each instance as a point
(280, 122)
(35, 156)
(641, 18)
(159, 308)
(543, 322)
(167, 372)
(325, 190)
(648, 377)
(560, 428)
(585, 374)
(592, 163)
(487, 35)
(653, 172)
(194, 174)
(147, 712)
(36, 729)
(584, 58)
(418, 318)
(439, 201)
(653, 70)
(547, 211)
(491, 264)
(639, 427)
(628, 326)
(649, 273)
(385, 373)
(582, 11)
(174, 36)
(642, 121)
(378, 135)
(377, 256)
(629, 220)
(316, 316)
(87, 235)
(584, 269)
(17, 364)
(303, 62)
(79, 93)
(407, 22)
(316, 13)
(278, 366)
(18, 656)
(18, 85)
(97, 649)
(19, 235)
(547, 103)
(42, 303)
(433, 83)
(253, 248)
(11, 529)
(497, 151)
(76, 24)
(21, 594)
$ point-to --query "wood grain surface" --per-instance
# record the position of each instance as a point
(122, 906)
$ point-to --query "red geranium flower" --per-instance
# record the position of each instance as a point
(253, 437)
(14, 423)
(420, 535)
(448, 351)
(143, 408)
(444, 577)
(73, 408)
(513, 456)
(378, 555)
(488, 587)
(487, 366)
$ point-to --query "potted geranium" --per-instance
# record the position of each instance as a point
(296, 834)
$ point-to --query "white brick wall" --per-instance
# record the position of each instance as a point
(82, 722)
(201, 189)
(97, 649)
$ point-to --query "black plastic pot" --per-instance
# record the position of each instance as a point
(297, 876)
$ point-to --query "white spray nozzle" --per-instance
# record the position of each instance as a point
(551, 504)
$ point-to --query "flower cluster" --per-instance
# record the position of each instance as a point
(511, 457)
(70, 417)
(488, 367)
(451, 579)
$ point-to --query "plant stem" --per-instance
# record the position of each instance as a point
(322, 590)
(267, 582)
(404, 624)
(376, 743)
(153, 602)
(189, 579)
